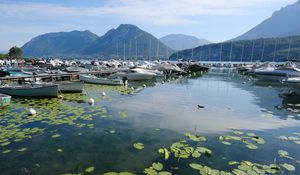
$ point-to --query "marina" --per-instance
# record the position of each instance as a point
(157, 87)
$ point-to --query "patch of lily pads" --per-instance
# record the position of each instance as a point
(250, 140)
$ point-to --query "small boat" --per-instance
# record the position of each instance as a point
(71, 87)
(134, 74)
(4, 100)
(33, 90)
(197, 68)
(294, 84)
(76, 69)
(100, 80)
(277, 74)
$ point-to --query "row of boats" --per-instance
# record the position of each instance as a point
(287, 73)
(37, 88)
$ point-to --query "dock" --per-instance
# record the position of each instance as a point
(59, 77)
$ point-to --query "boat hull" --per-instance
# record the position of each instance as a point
(31, 91)
(96, 80)
(4, 100)
(71, 87)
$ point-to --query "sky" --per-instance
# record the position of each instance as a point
(214, 20)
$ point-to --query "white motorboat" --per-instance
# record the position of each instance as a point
(134, 74)
(100, 80)
(294, 84)
(277, 74)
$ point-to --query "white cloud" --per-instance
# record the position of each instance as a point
(155, 12)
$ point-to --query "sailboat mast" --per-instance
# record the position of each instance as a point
(124, 51)
(136, 49)
(167, 52)
(157, 49)
(289, 51)
(263, 51)
(298, 56)
(275, 50)
(242, 55)
(150, 49)
(192, 53)
(117, 49)
(221, 49)
(252, 52)
(231, 47)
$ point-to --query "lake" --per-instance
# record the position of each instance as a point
(217, 123)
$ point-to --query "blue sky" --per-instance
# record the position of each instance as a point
(215, 20)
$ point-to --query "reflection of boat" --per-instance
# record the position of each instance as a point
(33, 90)
(99, 80)
(277, 74)
(134, 74)
(294, 84)
(4, 100)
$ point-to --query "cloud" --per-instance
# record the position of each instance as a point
(154, 12)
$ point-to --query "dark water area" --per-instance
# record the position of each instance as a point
(68, 135)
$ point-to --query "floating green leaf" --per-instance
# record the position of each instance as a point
(138, 146)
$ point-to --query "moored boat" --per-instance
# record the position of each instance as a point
(134, 74)
(69, 87)
(32, 90)
(4, 100)
(277, 74)
(100, 80)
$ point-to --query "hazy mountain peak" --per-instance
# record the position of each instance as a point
(181, 41)
(284, 22)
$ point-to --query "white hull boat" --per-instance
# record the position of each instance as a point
(99, 80)
(134, 74)
(31, 90)
(71, 87)
(279, 74)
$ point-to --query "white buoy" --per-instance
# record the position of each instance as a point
(61, 96)
(103, 94)
(162, 82)
(91, 101)
(132, 88)
(32, 111)
(144, 85)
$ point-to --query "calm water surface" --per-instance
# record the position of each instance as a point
(71, 135)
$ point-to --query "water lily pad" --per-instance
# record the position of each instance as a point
(55, 136)
(288, 167)
(89, 169)
(164, 173)
(6, 151)
(196, 166)
(157, 166)
(22, 149)
(111, 173)
(138, 146)
(126, 173)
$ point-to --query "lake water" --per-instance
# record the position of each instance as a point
(68, 135)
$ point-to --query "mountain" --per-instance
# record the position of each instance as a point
(284, 22)
(267, 49)
(130, 42)
(180, 41)
(59, 44)
(126, 41)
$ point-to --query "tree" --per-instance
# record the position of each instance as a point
(15, 53)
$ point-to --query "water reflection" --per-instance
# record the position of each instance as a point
(232, 103)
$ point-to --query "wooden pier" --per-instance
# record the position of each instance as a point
(59, 77)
